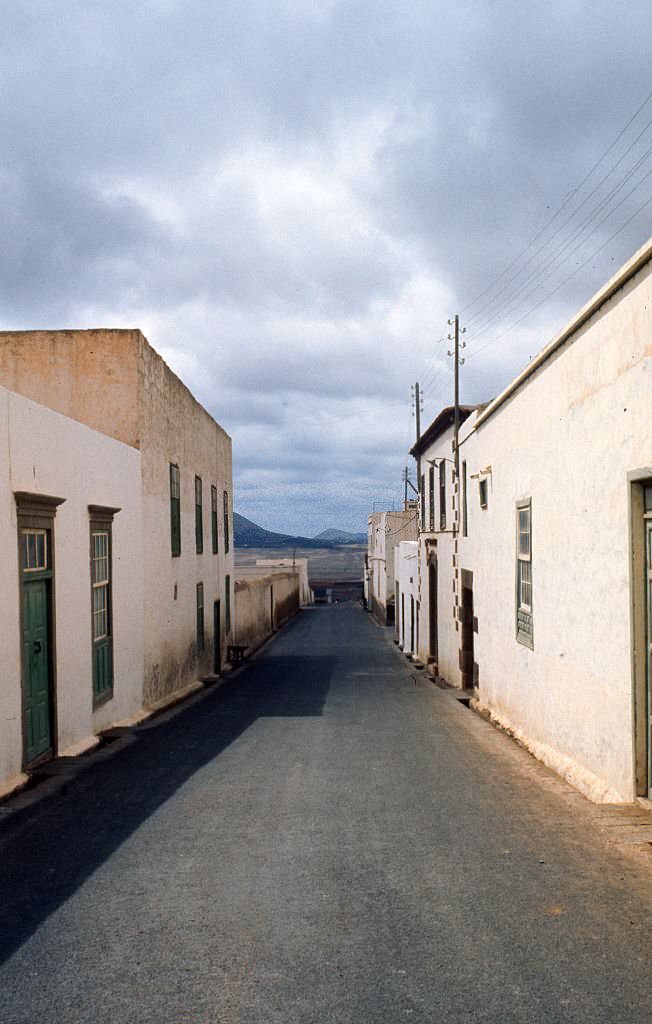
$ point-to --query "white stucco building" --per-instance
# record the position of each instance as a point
(179, 484)
(407, 597)
(71, 600)
(535, 571)
(385, 530)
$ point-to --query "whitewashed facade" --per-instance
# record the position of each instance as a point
(407, 597)
(385, 530)
(67, 495)
(544, 582)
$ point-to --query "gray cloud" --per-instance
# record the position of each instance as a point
(291, 197)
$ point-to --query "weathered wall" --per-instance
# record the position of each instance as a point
(567, 440)
(385, 531)
(448, 636)
(298, 565)
(46, 453)
(263, 605)
(406, 569)
(113, 381)
(174, 428)
(90, 376)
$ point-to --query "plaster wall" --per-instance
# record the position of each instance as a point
(406, 580)
(567, 440)
(90, 376)
(439, 544)
(46, 453)
(298, 565)
(113, 381)
(174, 428)
(385, 531)
(263, 605)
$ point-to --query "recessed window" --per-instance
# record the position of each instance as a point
(214, 518)
(201, 642)
(101, 603)
(227, 542)
(175, 510)
(483, 491)
(199, 517)
(442, 495)
(431, 498)
(227, 603)
(524, 626)
(422, 492)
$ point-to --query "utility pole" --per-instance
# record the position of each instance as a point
(455, 337)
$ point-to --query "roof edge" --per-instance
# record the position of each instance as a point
(620, 278)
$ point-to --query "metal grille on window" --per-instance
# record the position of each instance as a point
(524, 632)
(100, 582)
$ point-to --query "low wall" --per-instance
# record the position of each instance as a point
(263, 605)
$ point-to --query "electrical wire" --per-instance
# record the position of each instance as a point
(517, 259)
(595, 253)
(534, 275)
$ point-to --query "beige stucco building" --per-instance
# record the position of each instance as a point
(70, 505)
(535, 567)
(115, 383)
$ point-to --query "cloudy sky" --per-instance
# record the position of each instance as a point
(290, 198)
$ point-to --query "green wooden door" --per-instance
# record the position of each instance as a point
(37, 694)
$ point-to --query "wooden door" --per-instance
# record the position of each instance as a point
(37, 683)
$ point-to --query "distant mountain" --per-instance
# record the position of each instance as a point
(342, 537)
(250, 535)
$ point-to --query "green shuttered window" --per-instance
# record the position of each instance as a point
(199, 520)
(175, 510)
(214, 519)
(227, 541)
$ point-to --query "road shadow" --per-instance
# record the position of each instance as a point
(48, 852)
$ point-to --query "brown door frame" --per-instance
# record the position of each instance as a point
(37, 512)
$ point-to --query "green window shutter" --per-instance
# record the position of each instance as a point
(214, 518)
(200, 619)
(227, 542)
(175, 510)
(199, 523)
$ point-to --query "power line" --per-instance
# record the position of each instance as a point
(577, 232)
(622, 227)
(560, 209)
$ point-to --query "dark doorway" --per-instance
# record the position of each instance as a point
(432, 609)
(217, 637)
(411, 625)
(466, 651)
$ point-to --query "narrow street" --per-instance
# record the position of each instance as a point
(326, 837)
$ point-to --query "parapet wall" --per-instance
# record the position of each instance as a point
(263, 605)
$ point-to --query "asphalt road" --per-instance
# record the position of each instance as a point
(325, 838)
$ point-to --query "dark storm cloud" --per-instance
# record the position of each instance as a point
(291, 197)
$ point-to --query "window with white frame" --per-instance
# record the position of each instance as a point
(524, 631)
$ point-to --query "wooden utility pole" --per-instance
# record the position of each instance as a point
(455, 338)
(417, 408)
